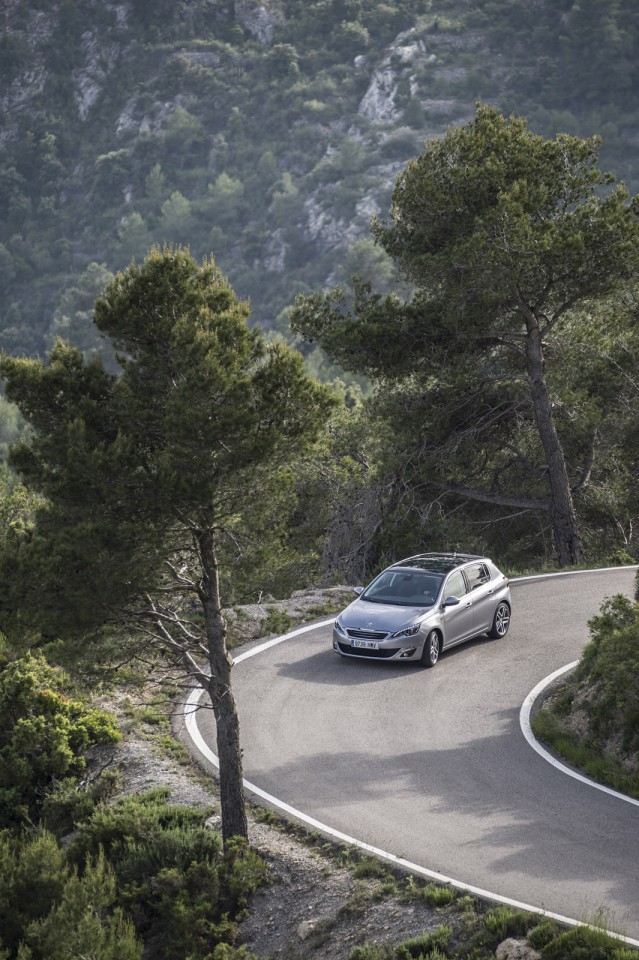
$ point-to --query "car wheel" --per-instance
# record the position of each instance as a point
(432, 646)
(501, 622)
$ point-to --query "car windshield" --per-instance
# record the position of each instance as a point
(408, 588)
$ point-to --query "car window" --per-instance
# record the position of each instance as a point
(405, 587)
(455, 585)
(476, 574)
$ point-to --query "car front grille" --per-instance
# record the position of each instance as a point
(363, 652)
(366, 634)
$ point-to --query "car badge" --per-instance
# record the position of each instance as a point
(370, 625)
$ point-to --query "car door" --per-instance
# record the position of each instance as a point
(482, 592)
(458, 620)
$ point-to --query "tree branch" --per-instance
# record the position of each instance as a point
(498, 499)
(588, 465)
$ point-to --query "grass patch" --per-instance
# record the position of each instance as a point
(369, 867)
(549, 729)
(434, 894)
(432, 945)
(587, 943)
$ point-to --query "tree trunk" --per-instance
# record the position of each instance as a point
(234, 821)
(562, 510)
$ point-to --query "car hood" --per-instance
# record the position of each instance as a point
(364, 615)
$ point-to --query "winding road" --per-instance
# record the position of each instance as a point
(432, 767)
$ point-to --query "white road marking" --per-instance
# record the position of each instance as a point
(524, 722)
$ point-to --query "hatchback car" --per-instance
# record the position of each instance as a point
(422, 605)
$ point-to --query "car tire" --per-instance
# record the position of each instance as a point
(432, 649)
(501, 621)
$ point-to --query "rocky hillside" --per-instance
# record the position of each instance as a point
(265, 131)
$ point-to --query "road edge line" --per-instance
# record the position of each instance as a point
(525, 715)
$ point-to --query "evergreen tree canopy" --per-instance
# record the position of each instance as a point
(499, 234)
(146, 472)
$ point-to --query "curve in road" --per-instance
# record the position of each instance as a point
(458, 791)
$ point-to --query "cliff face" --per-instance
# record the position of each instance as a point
(267, 133)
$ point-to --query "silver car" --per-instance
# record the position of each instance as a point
(420, 606)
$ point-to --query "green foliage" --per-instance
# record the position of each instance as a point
(276, 621)
(586, 943)
(603, 689)
(426, 946)
(139, 870)
(585, 755)
(503, 922)
(542, 934)
(44, 735)
(70, 802)
(500, 244)
(209, 100)
(188, 349)
(85, 920)
(610, 669)
(173, 878)
(32, 879)
(368, 867)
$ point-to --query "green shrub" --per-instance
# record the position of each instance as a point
(437, 895)
(44, 734)
(372, 951)
(69, 803)
(434, 894)
(425, 945)
(610, 668)
(85, 922)
(32, 877)
(136, 869)
(182, 889)
(586, 943)
(369, 867)
(56, 912)
(276, 621)
(502, 922)
(542, 934)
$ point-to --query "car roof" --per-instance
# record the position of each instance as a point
(437, 562)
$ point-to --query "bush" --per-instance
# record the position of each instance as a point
(69, 803)
(542, 934)
(32, 877)
(610, 672)
(85, 922)
(183, 891)
(426, 945)
(139, 869)
(43, 736)
(586, 943)
(49, 911)
(503, 922)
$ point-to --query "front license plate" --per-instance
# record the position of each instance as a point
(366, 644)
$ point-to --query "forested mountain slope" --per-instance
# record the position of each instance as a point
(266, 133)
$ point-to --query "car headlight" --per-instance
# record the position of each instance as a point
(339, 627)
(407, 631)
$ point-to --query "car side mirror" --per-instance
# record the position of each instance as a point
(451, 601)
(358, 590)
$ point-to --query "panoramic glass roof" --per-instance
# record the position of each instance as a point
(436, 562)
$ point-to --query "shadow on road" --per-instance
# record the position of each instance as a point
(327, 667)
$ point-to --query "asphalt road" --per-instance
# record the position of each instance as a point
(432, 766)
